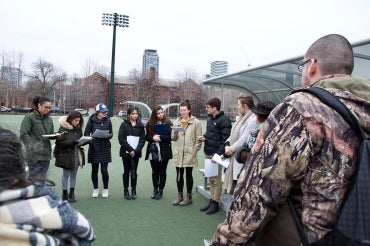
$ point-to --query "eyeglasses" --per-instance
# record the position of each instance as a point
(46, 107)
(301, 65)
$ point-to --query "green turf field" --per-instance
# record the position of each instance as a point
(144, 221)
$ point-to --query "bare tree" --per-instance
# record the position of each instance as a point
(45, 78)
(135, 76)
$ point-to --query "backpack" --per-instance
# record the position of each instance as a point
(353, 225)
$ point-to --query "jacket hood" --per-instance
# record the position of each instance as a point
(63, 123)
(357, 86)
(95, 119)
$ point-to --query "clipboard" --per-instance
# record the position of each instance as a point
(161, 129)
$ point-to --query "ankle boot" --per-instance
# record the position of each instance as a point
(179, 199)
(155, 191)
(213, 208)
(206, 207)
(71, 196)
(65, 195)
(188, 200)
(133, 194)
(159, 195)
(126, 195)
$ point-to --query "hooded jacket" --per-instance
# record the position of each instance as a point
(306, 150)
(32, 128)
(99, 148)
(66, 152)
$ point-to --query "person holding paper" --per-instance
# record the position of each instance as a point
(218, 131)
(38, 148)
(185, 153)
(159, 150)
(99, 148)
(67, 154)
(131, 137)
(238, 136)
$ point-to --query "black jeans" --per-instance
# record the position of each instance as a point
(104, 173)
(180, 179)
(130, 170)
(159, 174)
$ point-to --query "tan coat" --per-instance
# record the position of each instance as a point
(187, 145)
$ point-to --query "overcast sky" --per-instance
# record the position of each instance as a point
(186, 34)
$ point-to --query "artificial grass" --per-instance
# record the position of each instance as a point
(143, 221)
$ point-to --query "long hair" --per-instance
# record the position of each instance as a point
(12, 163)
(153, 119)
(73, 115)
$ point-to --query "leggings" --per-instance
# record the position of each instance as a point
(71, 175)
(159, 174)
(180, 179)
(104, 173)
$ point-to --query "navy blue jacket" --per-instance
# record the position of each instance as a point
(99, 148)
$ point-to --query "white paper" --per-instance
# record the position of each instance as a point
(177, 129)
(51, 135)
(100, 133)
(206, 243)
(133, 141)
(210, 168)
(83, 140)
(225, 162)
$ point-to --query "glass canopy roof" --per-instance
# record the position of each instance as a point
(274, 81)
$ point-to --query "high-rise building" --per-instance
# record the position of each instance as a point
(219, 68)
(12, 74)
(150, 61)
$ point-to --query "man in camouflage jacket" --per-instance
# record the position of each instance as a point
(306, 150)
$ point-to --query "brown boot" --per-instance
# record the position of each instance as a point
(187, 200)
(179, 199)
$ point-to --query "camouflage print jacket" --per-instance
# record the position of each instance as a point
(303, 145)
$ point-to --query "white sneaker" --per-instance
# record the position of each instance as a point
(95, 193)
(105, 193)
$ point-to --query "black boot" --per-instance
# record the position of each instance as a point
(125, 180)
(159, 195)
(214, 208)
(206, 207)
(133, 194)
(155, 191)
(126, 195)
(71, 196)
(65, 195)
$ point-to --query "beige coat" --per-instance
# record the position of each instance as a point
(187, 145)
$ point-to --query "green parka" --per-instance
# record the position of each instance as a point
(32, 128)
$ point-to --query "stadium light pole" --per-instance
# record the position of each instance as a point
(120, 21)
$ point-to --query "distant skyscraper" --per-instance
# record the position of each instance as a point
(219, 68)
(12, 74)
(150, 60)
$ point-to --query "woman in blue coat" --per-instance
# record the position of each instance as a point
(99, 147)
(131, 137)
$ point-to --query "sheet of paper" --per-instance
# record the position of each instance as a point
(133, 141)
(177, 129)
(210, 168)
(99, 133)
(51, 135)
(206, 243)
(83, 140)
(225, 162)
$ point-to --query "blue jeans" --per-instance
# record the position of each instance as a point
(37, 171)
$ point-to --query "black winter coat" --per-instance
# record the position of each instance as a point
(164, 144)
(217, 132)
(126, 129)
(65, 151)
(99, 148)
